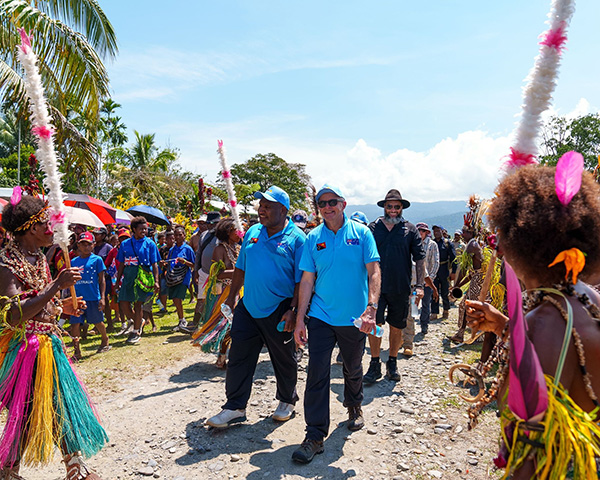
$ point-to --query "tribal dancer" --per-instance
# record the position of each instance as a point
(213, 334)
(46, 403)
(549, 406)
(471, 267)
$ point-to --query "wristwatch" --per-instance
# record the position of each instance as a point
(371, 304)
(294, 309)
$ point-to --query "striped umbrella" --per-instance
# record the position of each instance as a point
(101, 209)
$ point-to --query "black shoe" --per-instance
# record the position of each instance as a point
(373, 374)
(308, 450)
(424, 329)
(392, 371)
(355, 419)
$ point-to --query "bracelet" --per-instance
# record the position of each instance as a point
(294, 309)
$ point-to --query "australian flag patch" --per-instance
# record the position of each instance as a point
(352, 241)
(254, 240)
(321, 246)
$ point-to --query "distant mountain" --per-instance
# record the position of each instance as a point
(448, 214)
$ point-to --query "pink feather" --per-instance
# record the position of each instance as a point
(16, 195)
(518, 159)
(58, 217)
(43, 132)
(240, 233)
(25, 41)
(220, 143)
(233, 203)
(226, 174)
(569, 170)
(555, 38)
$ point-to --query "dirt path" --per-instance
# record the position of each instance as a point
(156, 426)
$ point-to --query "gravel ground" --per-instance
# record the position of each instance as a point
(415, 429)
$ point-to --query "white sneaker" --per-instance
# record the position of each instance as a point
(226, 418)
(182, 323)
(284, 412)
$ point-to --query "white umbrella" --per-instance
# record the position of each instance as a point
(83, 217)
(123, 217)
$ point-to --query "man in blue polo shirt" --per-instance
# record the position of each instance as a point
(268, 268)
(340, 261)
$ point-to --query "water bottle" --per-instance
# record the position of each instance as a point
(281, 326)
(414, 309)
(377, 331)
(226, 311)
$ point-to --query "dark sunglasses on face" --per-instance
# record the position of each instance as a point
(332, 203)
(394, 207)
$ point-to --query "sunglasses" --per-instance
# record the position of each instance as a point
(393, 207)
(332, 203)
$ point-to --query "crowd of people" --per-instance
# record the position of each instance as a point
(289, 285)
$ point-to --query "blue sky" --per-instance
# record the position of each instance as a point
(420, 96)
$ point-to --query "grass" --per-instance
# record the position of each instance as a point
(104, 372)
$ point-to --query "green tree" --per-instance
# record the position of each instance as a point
(71, 39)
(581, 134)
(144, 171)
(269, 169)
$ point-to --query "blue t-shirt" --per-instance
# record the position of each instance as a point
(146, 251)
(88, 287)
(339, 260)
(187, 253)
(271, 266)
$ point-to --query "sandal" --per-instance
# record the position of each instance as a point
(103, 349)
(221, 363)
(457, 337)
(77, 469)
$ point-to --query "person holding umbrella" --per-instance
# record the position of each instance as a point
(138, 267)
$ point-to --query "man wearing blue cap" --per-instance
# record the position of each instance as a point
(268, 268)
(340, 261)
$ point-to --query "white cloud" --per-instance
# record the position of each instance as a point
(452, 169)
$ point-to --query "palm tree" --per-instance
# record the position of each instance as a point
(70, 37)
(143, 171)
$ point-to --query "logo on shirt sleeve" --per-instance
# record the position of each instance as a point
(321, 246)
(254, 240)
(352, 241)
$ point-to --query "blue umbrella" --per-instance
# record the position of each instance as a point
(153, 215)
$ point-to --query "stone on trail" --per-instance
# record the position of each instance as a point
(403, 467)
(458, 429)
(419, 431)
(435, 473)
(147, 471)
(235, 458)
(473, 461)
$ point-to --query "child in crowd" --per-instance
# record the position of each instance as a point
(91, 287)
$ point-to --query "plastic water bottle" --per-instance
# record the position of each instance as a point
(414, 309)
(281, 326)
(377, 331)
(226, 311)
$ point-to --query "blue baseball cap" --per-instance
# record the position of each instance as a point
(275, 194)
(329, 189)
(359, 217)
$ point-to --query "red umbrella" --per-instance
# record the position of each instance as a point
(103, 210)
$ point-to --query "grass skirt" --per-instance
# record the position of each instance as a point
(46, 403)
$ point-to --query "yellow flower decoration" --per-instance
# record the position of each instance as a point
(574, 262)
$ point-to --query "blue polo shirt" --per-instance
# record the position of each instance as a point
(339, 260)
(271, 266)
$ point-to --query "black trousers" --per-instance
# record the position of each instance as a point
(442, 283)
(248, 336)
(322, 337)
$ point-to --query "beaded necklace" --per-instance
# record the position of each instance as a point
(501, 352)
(34, 277)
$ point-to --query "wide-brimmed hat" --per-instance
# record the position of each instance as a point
(213, 217)
(300, 218)
(423, 226)
(393, 195)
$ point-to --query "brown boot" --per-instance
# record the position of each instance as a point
(355, 418)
